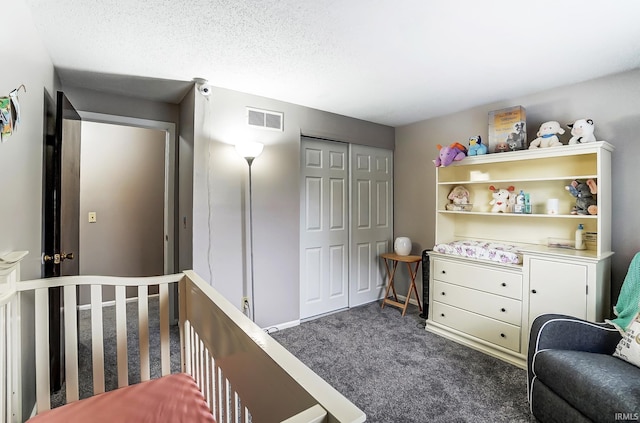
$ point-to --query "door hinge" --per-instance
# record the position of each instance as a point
(587, 289)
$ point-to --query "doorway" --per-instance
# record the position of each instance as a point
(126, 198)
(346, 222)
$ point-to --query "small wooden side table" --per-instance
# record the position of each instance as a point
(391, 272)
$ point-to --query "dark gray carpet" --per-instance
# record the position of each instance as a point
(85, 374)
(395, 371)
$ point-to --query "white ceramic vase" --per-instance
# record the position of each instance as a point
(402, 246)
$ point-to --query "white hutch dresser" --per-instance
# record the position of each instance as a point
(490, 305)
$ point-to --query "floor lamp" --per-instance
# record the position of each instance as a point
(250, 150)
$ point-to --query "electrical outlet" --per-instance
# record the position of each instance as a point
(245, 303)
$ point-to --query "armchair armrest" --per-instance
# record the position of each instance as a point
(561, 332)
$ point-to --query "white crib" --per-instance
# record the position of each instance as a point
(243, 374)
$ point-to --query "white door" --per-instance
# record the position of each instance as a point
(324, 224)
(371, 221)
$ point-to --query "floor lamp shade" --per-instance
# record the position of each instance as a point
(249, 150)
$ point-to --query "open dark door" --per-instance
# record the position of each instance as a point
(61, 215)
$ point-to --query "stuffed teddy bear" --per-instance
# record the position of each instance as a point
(458, 196)
(584, 192)
(547, 135)
(447, 155)
(582, 131)
(503, 199)
(476, 147)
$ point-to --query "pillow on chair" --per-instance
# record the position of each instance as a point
(628, 348)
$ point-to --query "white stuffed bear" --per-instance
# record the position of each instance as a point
(547, 135)
(503, 200)
(582, 131)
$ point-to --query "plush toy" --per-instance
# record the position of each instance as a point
(547, 135)
(584, 192)
(476, 147)
(503, 199)
(501, 147)
(447, 155)
(459, 196)
(582, 131)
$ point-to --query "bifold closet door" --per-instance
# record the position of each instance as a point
(324, 227)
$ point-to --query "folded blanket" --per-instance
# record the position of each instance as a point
(628, 303)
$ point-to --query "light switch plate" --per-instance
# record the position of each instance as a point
(93, 217)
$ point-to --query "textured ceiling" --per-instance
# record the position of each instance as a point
(387, 61)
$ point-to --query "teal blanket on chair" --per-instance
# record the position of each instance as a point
(629, 299)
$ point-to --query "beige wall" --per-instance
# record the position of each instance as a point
(122, 180)
(220, 202)
(613, 103)
(26, 62)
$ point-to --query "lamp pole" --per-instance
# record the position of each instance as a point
(250, 151)
(253, 298)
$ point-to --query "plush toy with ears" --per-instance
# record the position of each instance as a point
(584, 192)
(547, 135)
(582, 131)
(476, 147)
(503, 199)
(447, 155)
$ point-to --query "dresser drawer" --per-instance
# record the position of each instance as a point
(500, 282)
(490, 305)
(490, 330)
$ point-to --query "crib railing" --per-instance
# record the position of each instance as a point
(243, 373)
(9, 337)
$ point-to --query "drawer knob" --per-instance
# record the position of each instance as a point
(503, 309)
(503, 284)
(503, 335)
(442, 314)
(533, 291)
(443, 272)
(443, 293)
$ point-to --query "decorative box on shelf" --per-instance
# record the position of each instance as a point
(507, 129)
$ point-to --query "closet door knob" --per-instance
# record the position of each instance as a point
(443, 272)
(533, 291)
(503, 284)
(502, 335)
(442, 314)
(503, 309)
(442, 292)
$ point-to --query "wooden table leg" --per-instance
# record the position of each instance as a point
(390, 276)
(413, 282)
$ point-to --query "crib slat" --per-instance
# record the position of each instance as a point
(184, 328)
(43, 400)
(97, 344)
(121, 336)
(143, 334)
(71, 343)
(210, 376)
(5, 379)
(165, 356)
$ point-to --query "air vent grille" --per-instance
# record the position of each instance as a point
(265, 119)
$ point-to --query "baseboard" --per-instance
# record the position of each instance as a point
(281, 326)
(403, 298)
(113, 302)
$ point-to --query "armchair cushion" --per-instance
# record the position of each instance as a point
(628, 348)
(599, 385)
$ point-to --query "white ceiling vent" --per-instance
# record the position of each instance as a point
(265, 119)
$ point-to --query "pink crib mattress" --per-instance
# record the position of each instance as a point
(172, 398)
(492, 251)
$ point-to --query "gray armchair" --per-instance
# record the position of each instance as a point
(573, 376)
